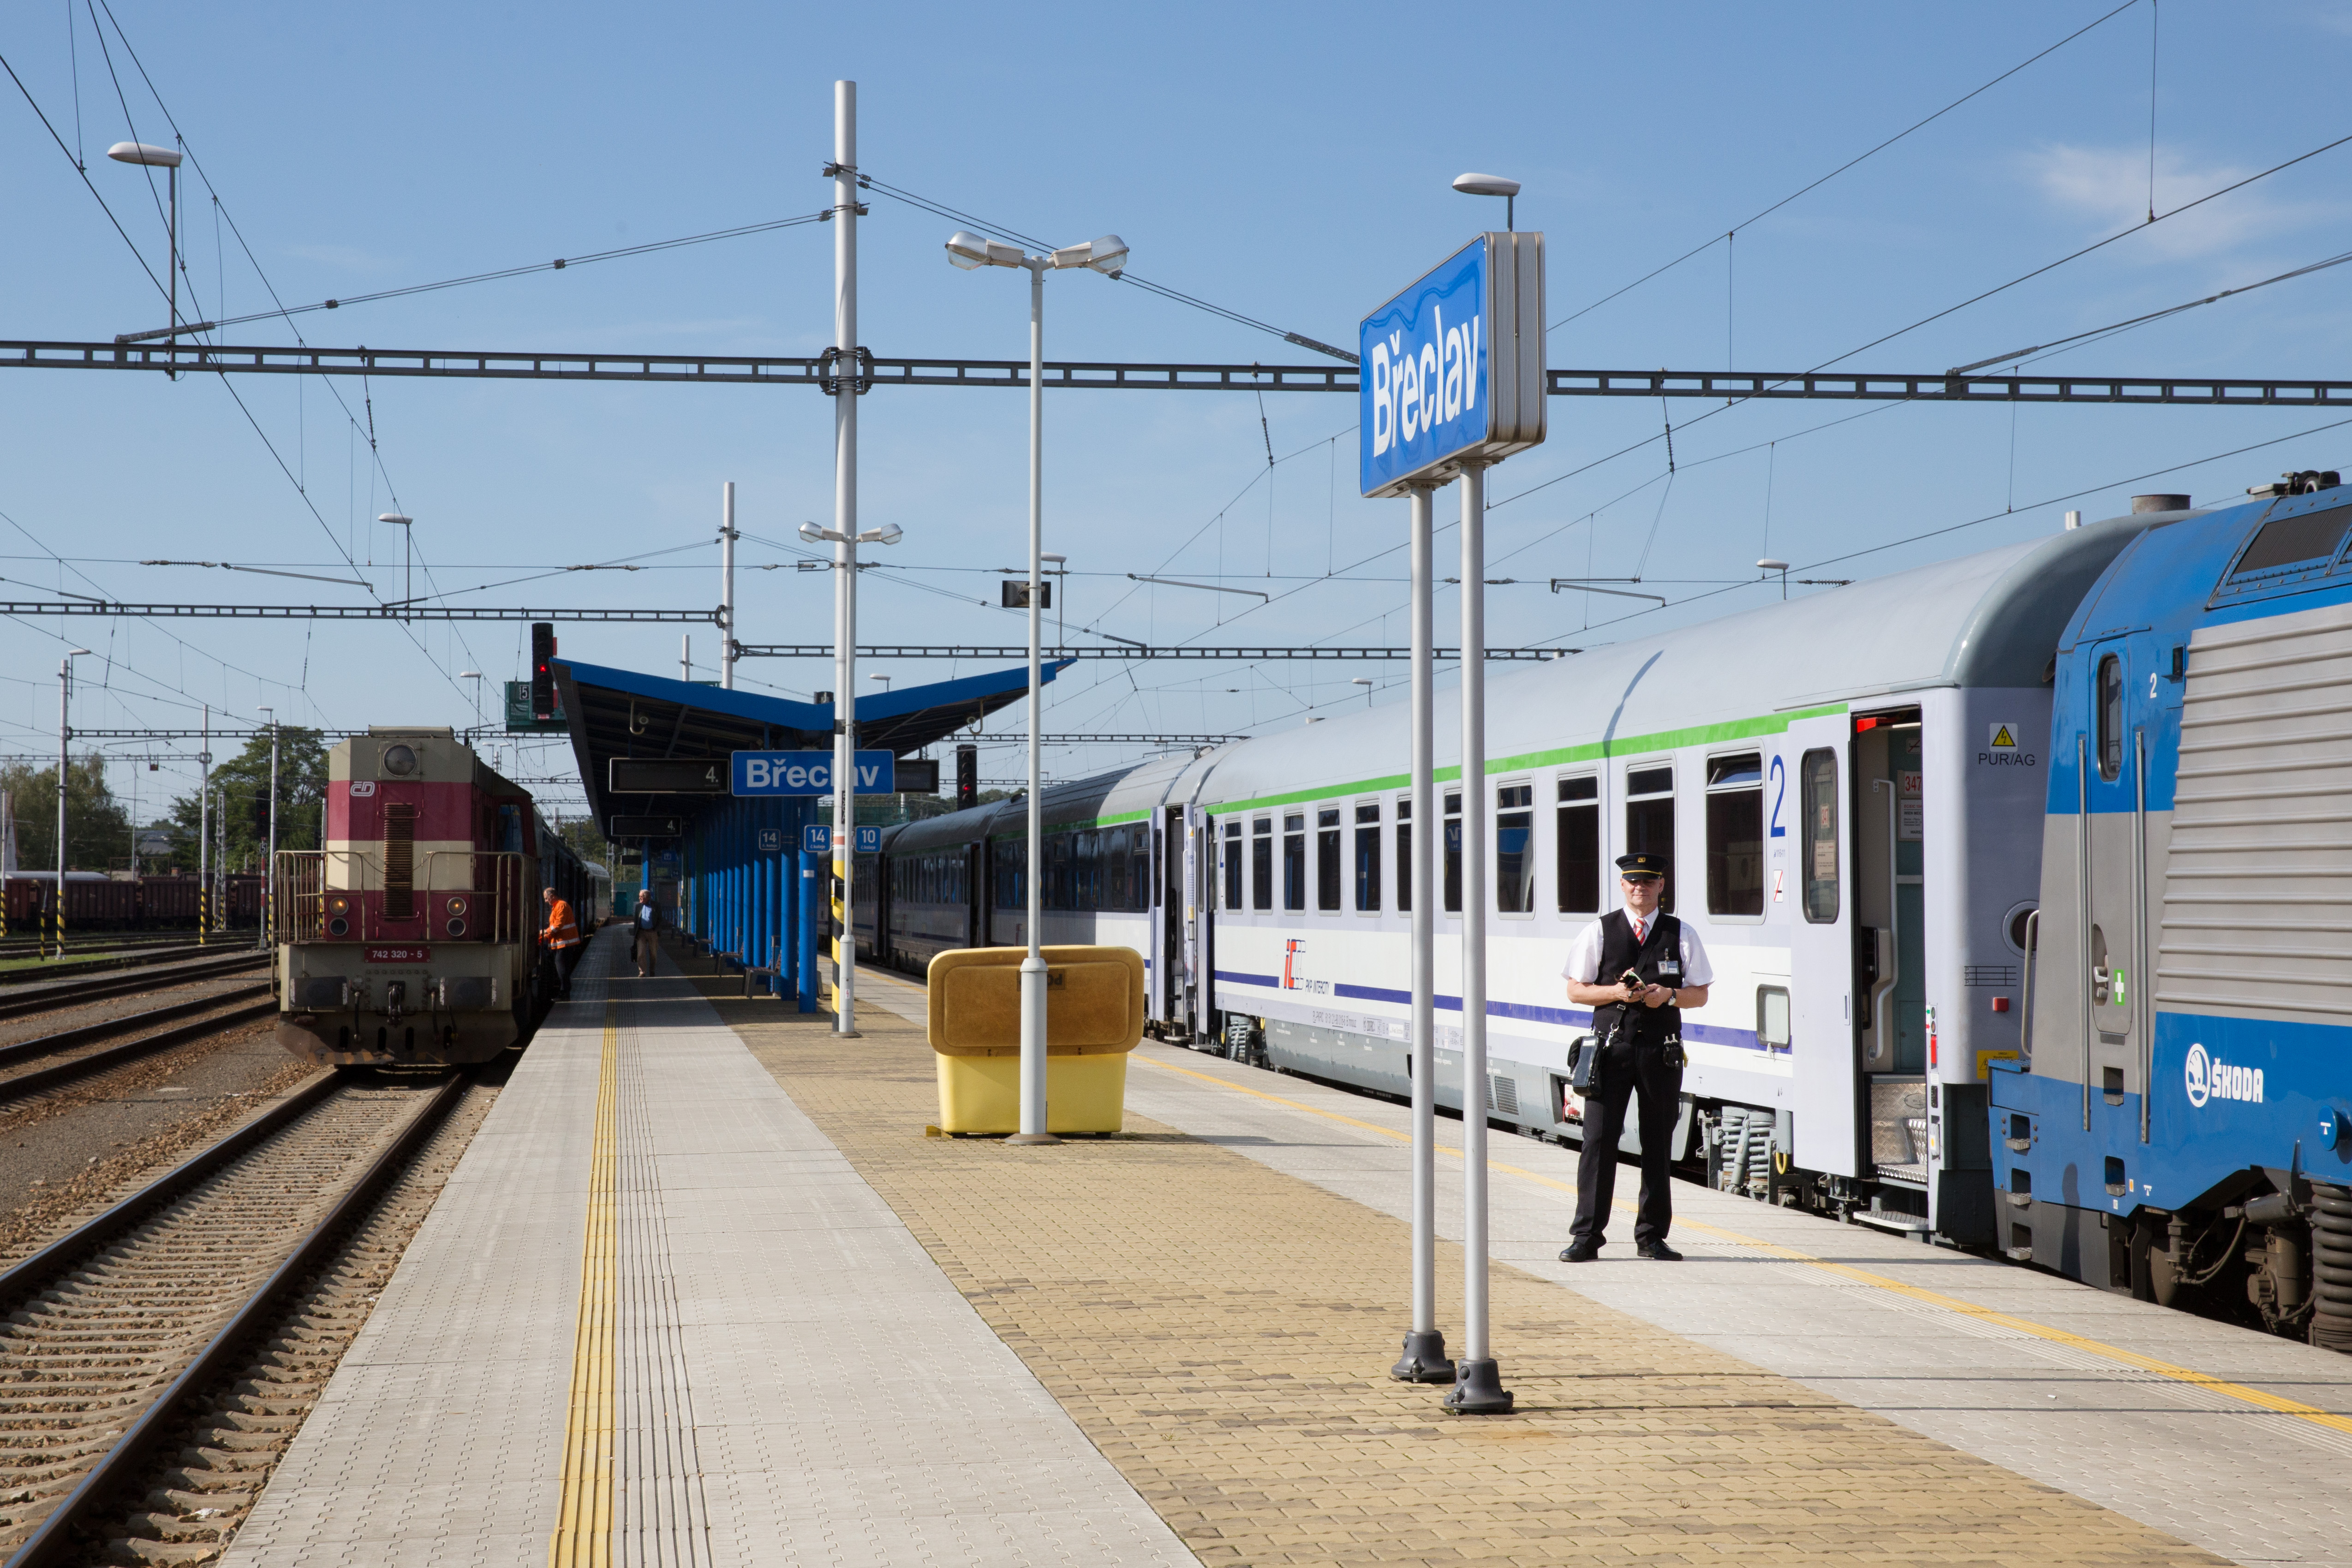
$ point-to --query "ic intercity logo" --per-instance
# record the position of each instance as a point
(1289, 961)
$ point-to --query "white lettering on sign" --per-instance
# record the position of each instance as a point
(2208, 1079)
(1418, 387)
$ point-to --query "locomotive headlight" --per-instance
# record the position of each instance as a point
(457, 906)
(337, 904)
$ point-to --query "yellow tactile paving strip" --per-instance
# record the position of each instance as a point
(582, 1537)
(1221, 1332)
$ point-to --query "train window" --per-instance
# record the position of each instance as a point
(1576, 878)
(1734, 834)
(1113, 875)
(1515, 848)
(1326, 858)
(1819, 808)
(1294, 860)
(1404, 854)
(1012, 857)
(1453, 841)
(2111, 716)
(1139, 885)
(1649, 821)
(1233, 862)
(1262, 863)
(2303, 540)
(1368, 856)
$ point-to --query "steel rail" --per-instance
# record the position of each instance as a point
(46, 1078)
(821, 373)
(54, 1540)
(65, 992)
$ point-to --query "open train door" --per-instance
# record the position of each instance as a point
(1807, 797)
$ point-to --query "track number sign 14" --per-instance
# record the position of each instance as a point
(1452, 369)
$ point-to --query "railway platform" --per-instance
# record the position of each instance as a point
(703, 1290)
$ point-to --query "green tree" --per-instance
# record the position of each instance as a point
(242, 781)
(98, 830)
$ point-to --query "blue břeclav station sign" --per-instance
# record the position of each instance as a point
(1452, 369)
(808, 773)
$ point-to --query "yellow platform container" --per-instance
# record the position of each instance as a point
(1094, 1017)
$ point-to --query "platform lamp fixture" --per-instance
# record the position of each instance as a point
(1107, 255)
(844, 749)
(1493, 185)
(168, 160)
(1771, 564)
(1365, 682)
(64, 743)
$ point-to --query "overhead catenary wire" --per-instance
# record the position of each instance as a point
(1816, 184)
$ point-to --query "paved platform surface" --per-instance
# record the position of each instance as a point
(701, 1291)
(655, 1317)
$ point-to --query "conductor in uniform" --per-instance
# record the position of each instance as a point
(1637, 1030)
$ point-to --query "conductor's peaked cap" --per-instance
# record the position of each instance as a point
(1641, 863)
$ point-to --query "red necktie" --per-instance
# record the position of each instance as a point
(1641, 928)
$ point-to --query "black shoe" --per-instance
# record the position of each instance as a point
(1579, 1252)
(1658, 1250)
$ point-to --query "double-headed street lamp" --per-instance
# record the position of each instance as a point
(1107, 255)
(844, 749)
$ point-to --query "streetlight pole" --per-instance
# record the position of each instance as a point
(168, 160)
(65, 744)
(1107, 255)
(1770, 563)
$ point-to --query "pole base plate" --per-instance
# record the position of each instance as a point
(1478, 1389)
(1425, 1359)
(1032, 1138)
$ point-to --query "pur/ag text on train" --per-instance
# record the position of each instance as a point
(2027, 878)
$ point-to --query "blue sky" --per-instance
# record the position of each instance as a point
(1289, 162)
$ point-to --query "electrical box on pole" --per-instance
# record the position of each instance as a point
(1014, 594)
(542, 669)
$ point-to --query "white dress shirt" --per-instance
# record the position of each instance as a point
(1584, 955)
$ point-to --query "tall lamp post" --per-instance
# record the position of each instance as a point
(168, 160)
(475, 676)
(64, 743)
(845, 752)
(1107, 256)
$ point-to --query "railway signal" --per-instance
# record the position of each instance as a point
(542, 669)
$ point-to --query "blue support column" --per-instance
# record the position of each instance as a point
(811, 891)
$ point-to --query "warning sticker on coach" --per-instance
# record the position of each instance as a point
(2004, 737)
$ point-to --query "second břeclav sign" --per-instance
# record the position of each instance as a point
(1452, 369)
(809, 773)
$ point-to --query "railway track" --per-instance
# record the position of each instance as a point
(142, 958)
(202, 1015)
(18, 1002)
(109, 1330)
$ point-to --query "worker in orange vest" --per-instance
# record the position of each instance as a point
(562, 936)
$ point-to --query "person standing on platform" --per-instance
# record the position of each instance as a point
(647, 924)
(562, 938)
(1636, 968)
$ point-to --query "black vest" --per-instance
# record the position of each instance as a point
(1659, 959)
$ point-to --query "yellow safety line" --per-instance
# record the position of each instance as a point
(584, 1530)
(2165, 1369)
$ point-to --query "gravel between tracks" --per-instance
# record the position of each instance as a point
(84, 1356)
(224, 1452)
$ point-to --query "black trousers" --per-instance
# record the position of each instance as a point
(1627, 1069)
(566, 960)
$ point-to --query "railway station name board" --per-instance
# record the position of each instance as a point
(809, 773)
(1453, 369)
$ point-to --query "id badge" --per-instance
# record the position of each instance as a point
(1670, 971)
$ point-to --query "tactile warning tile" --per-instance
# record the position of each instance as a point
(1222, 1331)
